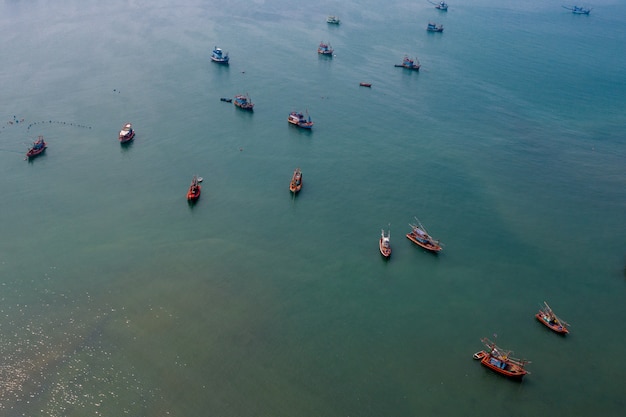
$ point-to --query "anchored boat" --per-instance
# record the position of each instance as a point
(384, 243)
(325, 49)
(219, 56)
(501, 361)
(193, 193)
(38, 147)
(127, 133)
(334, 20)
(298, 119)
(420, 237)
(434, 27)
(442, 5)
(578, 10)
(548, 318)
(409, 63)
(296, 181)
(243, 102)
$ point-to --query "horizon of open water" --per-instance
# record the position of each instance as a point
(118, 298)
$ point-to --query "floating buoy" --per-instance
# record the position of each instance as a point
(200, 179)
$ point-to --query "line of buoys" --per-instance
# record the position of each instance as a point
(60, 122)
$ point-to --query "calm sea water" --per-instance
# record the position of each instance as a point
(118, 298)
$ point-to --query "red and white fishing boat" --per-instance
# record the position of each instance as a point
(127, 133)
(420, 237)
(501, 361)
(384, 243)
(548, 318)
(38, 147)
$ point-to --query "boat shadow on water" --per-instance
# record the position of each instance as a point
(126, 146)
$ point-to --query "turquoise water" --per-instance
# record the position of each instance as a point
(118, 298)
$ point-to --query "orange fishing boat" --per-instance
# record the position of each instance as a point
(547, 317)
(420, 237)
(127, 133)
(384, 243)
(193, 194)
(500, 361)
(296, 181)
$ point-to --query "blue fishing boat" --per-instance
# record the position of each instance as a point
(219, 56)
(409, 63)
(578, 10)
(434, 27)
(243, 102)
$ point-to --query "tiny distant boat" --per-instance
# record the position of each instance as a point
(365, 84)
(193, 193)
(578, 10)
(548, 318)
(384, 243)
(243, 102)
(298, 119)
(38, 147)
(226, 99)
(420, 237)
(442, 5)
(434, 27)
(127, 133)
(334, 20)
(325, 49)
(409, 63)
(500, 361)
(296, 181)
(219, 56)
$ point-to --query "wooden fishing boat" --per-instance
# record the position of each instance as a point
(325, 49)
(219, 56)
(384, 243)
(434, 27)
(578, 10)
(38, 147)
(365, 84)
(442, 5)
(193, 193)
(226, 99)
(550, 320)
(243, 102)
(127, 133)
(409, 63)
(501, 361)
(298, 119)
(296, 181)
(421, 237)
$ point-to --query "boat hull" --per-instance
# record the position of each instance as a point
(127, 138)
(194, 196)
(504, 368)
(555, 327)
(384, 250)
(432, 247)
(35, 152)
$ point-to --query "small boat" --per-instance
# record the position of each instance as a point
(442, 5)
(409, 63)
(420, 237)
(501, 361)
(334, 20)
(243, 102)
(365, 84)
(296, 181)
(219, 56)
(434, 27)
(193, 194)
(384, 243)
(38, 147)
(226, 99)
(547, 317)
(325, 49)
(298, 119)
(127, 133)
(578, 10)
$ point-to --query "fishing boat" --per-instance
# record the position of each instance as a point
(243, 102)
(325, 49)
(421, 237)
(296, 181)
(127, 133)
(409, 63)
(434, 27)
(501, 361)
(578, 10)
(298, 119)
(384, 243)
(219, 56)
(333, 20)
(193, 194)
(365, 84)
(548, 318)
(226, 99)
(442, 5)
(38, 147)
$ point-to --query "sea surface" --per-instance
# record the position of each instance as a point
(119, 298)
